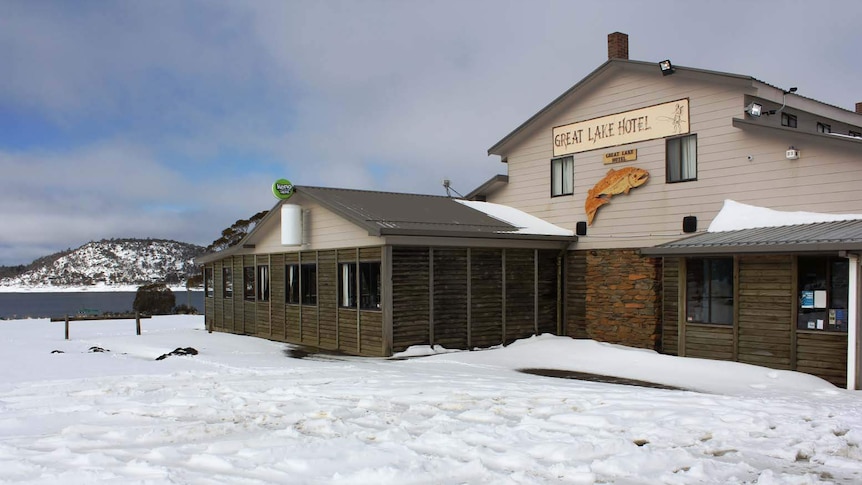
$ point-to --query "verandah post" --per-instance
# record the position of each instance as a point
(67, 327)
(138, 323)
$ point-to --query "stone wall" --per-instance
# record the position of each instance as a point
(622, 297)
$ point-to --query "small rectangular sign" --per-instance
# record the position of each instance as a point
(621, 156)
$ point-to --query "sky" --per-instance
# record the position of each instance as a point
(172, 119)
(101, 408)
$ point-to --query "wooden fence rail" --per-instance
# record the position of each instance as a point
(80, 318)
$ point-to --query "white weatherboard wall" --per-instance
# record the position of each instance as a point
(291, 225)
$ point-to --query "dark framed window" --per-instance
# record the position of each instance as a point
(367, 294)
(823, 284)
(824, 128)
(788, 120)
(227, 282)
(248, 292)
(562, 176)
(855, 133)
(301, 281)
(208, 282)
(709, 290)
(263, 282)
(681, 158)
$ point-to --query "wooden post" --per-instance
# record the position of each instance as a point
(138, 323)
(67, 327)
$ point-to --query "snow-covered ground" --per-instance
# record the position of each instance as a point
(244, 411)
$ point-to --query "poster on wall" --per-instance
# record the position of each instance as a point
(807, 299)
(820, 299)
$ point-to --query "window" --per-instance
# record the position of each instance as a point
(227, 279)
(682, 159)
(824, 128)
(823, 293)
(709, 290)
(301, 284)
(855, 133)
(248, 283)
(263, 282)
(562, 176)
(368, 295)
(208, 282)
(788, 120)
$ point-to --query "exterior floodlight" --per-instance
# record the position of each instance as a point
(754, 110)
(666, 67)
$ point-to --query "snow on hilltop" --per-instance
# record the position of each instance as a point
(112, 263)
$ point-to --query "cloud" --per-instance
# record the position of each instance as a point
(171, 119)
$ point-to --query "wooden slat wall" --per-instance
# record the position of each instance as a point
(291, 312)
(709, 342)
(309, 325)
(371, 333)
(249, 307)
(765, 310)
(520, 272)
(238, 302)
(347, 328)
(824, 355)
(228, 303)
(487, 297)
(327, 298)
(410, 303)
(450, 297)
(277, 289)
(548, 291)
(575, 313)
(262, 308)
(211, 316)
(670, 306)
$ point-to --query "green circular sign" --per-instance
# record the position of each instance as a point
(282, 189)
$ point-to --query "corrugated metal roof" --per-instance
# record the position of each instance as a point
(821, 236)
(391, 213)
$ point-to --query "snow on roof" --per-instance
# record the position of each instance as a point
(735, 216)
(525, 223)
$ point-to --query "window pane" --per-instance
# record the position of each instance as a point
(682, 158)
(263, 283)
(227, 279)
(347, 285)
(309, 284)
(248, 282)
(562, 176)
(369, 289)
(709, 290)
(291, 272)
(208, 282)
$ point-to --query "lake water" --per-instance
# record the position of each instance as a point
(36, 305)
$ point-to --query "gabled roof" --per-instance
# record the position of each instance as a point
(399, 214)
(583, 83)
(814, 237)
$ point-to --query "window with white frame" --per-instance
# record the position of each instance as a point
(562, 176)
(681, 159)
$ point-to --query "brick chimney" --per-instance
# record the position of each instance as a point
(859, 108)
(618, 46)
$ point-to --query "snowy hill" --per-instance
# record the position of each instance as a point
(111, 263)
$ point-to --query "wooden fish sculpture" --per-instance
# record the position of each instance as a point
(615, 182)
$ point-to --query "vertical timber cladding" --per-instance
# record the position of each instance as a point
(308, 313)
(450, 297)
(520, 294)
(227, 303)
(327, 299)
(410, 302)
(238, 299)
(576, 294)
(371, 321)
(622, 297)
(262, 327)
(765, 302)
(277, 297)
(546, 299)
(670, 306)
(249, 306)
(486, 299)
(293, 323)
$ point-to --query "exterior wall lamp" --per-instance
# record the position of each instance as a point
(754, 110)
(666, 67)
